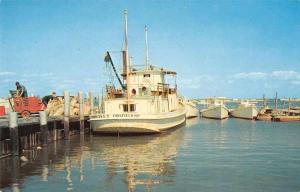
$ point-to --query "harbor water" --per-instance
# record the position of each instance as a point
(203, 155)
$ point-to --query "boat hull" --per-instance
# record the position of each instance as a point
(286, 118)
(137, 124)
(217, 112)
(264, 117)
(249, 112)
(191, 111)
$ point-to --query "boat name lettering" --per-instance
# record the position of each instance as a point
(117, 115)
(126, 115)
(103, 116)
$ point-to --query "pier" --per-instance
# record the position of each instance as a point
(31, 132)
(18, 133)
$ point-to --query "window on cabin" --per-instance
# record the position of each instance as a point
(146, 75)
(131, 106)
(125, 107)
(144, 91)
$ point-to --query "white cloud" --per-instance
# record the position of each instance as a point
(251, 75)
(296, 82)
(278, 75)
(285, 75)
(6, 73)
(230, 81)
(38, 75)
(8, 80)
(197, 82)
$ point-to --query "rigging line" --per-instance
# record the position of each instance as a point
(108, 59)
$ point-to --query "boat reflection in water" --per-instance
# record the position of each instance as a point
(145, 160)
(93, 162)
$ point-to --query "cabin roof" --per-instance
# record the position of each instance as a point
(138, 69)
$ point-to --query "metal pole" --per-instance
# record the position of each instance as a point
(127, 61)
(146, 48)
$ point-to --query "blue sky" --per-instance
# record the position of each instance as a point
(219, 48)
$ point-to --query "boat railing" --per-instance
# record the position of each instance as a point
(134, 68)
(160, 89)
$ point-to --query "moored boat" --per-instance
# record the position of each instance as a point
(286, 118)
(245, 110)
(191, 109)
(216, 110)
(145, 103)
(265, 114)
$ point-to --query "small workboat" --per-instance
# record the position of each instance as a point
(265, 114)
(216, 110)
(190, 108)
(245, 110)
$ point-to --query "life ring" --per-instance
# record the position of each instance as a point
(133, 91)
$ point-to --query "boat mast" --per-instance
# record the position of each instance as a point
(146, 48)
(126, 59)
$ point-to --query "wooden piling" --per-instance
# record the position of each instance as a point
(289, 106)
(66, 114)
(15, 173)
(14, 134)
(91, 97)
(81, 112)
(43, 128)
(99, 103)
(54, 131)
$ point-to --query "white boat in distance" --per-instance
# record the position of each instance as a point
(190, 108)
(215, 110)
(143, 104)
(245, 110)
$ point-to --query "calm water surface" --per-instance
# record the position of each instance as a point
(205, 155)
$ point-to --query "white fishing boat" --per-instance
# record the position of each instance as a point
(190, 108)
(145, 103)
(245, 110)
(215, 110)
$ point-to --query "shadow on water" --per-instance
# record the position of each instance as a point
(107, 162)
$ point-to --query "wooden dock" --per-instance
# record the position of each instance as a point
(18, 134)
(30, 133)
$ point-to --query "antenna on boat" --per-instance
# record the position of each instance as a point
(126, 41)
(146, 48)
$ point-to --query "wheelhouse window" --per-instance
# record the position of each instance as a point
(132, 107)
(146, 75)
(144, 91)
(125, 107)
